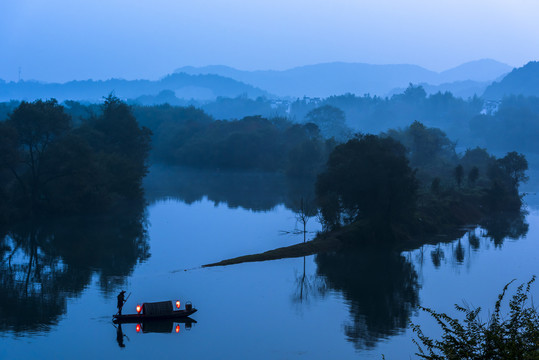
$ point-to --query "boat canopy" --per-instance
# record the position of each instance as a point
(157, 308)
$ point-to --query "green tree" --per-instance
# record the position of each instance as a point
(515, 166)
(47, 167)
(122, 145)
(37, 125)
(331, 121)
(428, 148)
(473, 175)
(459, 173)
(435, 186)
(367, 178)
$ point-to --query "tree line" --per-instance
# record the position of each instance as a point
(49, 165)
(66, 158)
(409, 181)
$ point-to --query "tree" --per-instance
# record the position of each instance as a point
(37, 125)
(367, 178)
(473, 175)
(435, 185)
(47, 167)
(459, 173)
(414, 93)
(331, 121)
(428, 148)
(123, 146)
(514, 165)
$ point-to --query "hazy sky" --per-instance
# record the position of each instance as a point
(61, 40)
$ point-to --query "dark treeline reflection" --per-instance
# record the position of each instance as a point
(494, 229)
(252, 190)
(44, 263)
(381, 287)
(505, 225)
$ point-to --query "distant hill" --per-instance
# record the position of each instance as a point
(484, 70)
(323, 80)
(520, 81)
(463, 89)
(205, 87)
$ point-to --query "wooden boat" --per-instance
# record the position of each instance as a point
(156, 311)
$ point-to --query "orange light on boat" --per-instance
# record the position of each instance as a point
(138, 328)
(178, 304)
(177, 328)
(139, 308)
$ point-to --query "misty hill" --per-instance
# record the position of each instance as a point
(323, 80)
(463, 89)
(520, 81)
(484, 70)
(205, 87)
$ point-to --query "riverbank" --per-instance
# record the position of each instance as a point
(435, 224)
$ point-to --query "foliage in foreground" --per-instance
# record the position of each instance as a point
(515, 336)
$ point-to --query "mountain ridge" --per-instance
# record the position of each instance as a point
(521, 81)
(326, 79)
(93, 90)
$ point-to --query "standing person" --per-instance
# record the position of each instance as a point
(121, 301)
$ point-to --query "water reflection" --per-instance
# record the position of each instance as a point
(154, 327)
(165, 326)
(256, 191)
(308, 286)
(504, 225)
(44, 263)
(120, 336)
(380, 287)
(493, 230)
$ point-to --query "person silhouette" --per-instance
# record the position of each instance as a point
(120, 336)
(121, 301)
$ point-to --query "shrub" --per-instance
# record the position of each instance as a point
(515, 336)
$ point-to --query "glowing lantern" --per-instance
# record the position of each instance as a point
(178, 304)
(139, 308)
(177, 328)
(138, 328)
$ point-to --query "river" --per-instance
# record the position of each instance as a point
(58, 296)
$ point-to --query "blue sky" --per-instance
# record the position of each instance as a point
(60, 40)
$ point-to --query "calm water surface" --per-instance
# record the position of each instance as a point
(340, 306)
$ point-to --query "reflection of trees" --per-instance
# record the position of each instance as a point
(308, 286)
(500, 226)
(381, 288)
(437, 255)
(257, 191)
(495, 228)
(42, 264)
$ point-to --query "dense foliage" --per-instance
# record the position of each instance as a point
(513, 336)
(48, 165)
(189, 137)
(416, 184)
(373, 114)
(367, 178)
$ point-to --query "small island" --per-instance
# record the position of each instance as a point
(398, 189)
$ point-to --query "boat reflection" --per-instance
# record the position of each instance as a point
(165, 326)
(169, 326)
